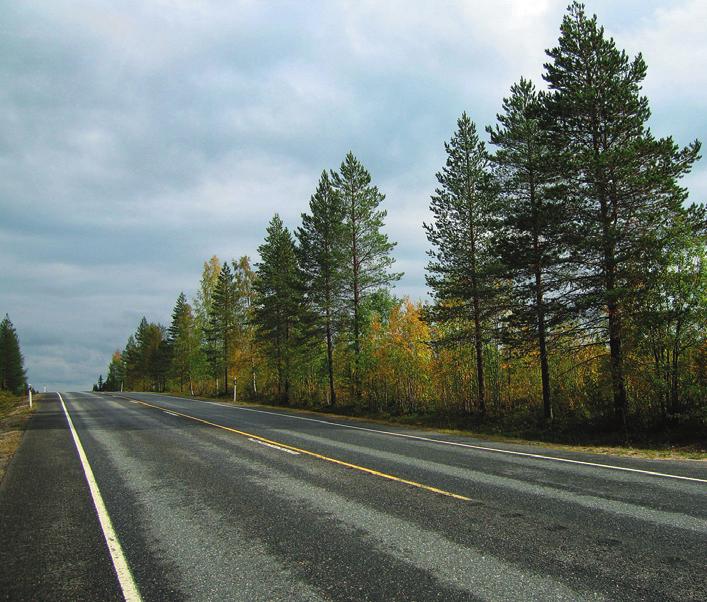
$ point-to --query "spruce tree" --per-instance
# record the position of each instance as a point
(222, 321)
(461, 270)
(202, 308)
(621, 182)
(116, 368)
(369, 258)
(279, 302)
(183, 342)
(131, 363)
(323, 260)
(147, 356)
(528, 236)
(12, 373)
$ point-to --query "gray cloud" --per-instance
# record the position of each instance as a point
(139, 139)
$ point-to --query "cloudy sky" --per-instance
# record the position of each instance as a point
(139, 138)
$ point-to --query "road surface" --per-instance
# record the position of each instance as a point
(207, 501)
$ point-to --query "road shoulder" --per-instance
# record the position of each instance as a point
(51, 545)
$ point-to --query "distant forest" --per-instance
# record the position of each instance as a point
(566, 270)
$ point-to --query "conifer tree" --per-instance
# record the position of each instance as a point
(222, 321)
(147, 356)
(244, 282)
(12, 373)
(202, 309)
(279, 302)
(323, 261)
(369, 250)
(184, 342)
(115, 379)
(621, 182)
(528, 237)
(131, 362)
(461, 270)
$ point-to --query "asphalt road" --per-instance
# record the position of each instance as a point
(214, 502)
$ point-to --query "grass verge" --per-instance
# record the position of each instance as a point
(592, 443)
(14, 413)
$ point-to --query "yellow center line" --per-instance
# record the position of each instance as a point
(300, 450)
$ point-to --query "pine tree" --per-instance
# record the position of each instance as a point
(244, 282)
(222, 321)
(528, 238)
(184, 342)
(131, 362)
(621, 181)
(323, 260)
(12, 373)
(149, 356)
(461, 270)
(279, 302)
(202, 309)
(369, 249)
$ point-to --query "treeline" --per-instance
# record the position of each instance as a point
(12, 372)
(567, 275)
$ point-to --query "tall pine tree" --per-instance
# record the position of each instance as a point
(222, 321)
(323, 261)
(461, 270)
(184, 343)
(621, 181)
(528, 238)
(279, 302)
(12, 373)
(369, 250)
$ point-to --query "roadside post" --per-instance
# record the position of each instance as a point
(235, 387)
(29, 392)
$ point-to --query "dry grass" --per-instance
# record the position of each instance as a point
(645, 451)
(14, 414)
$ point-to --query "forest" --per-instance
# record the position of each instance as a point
(566, 271)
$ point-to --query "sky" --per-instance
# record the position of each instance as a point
(138, 138)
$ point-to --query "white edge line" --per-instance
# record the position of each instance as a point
(455, 443)
(125, 577)
(171, 413)
(289, 451)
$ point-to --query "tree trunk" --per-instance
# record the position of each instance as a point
(225, 363)
(252, 373)
(357, 334)
(479, 345)
(674, 389)
(330, 361)
(617, 368)
(542, 344)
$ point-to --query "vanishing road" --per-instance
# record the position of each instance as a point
(145, 496)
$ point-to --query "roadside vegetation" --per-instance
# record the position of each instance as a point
(566, 270)
(14, 409)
